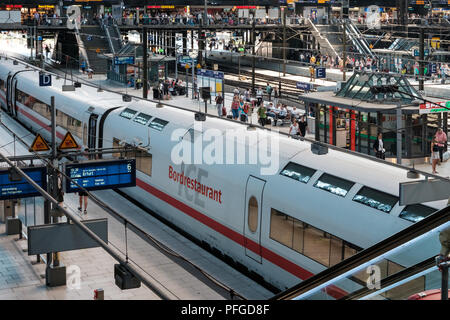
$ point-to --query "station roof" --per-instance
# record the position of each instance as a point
(356, 94)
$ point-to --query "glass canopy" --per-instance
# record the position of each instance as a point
(359, 85)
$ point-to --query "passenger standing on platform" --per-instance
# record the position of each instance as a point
(434, 155)
(303, 125)
(294, 129)
(236, 92)
(219, 105)
(83, 66)
(247, 95)
(235, 107)
(259, 96)
(311, 73)
(269, 91)
(275, 96)
(441, 140)
(262, 115)
(378, 147)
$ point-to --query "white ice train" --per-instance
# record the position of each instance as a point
(313, 212)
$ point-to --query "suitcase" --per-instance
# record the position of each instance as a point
(224, 111)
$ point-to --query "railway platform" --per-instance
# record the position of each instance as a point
(175, 263)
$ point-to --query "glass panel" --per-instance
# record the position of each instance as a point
(376, 199)
(142, 118)
(335, 251)
(416, 212)
(298, 236)
(252, 214)
(128, 113)
(281, 227)
(158, 124)
(298, 172)
(317, 245)
(334, 184)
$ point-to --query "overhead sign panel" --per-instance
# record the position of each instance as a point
(59, 237)
(124, 60)
(304, 86)
(12, 189)
(321, 73)
(423, 191)
(39, 144)
(101, 175)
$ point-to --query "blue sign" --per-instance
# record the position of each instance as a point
(417, 53)
(45, 80)
(39, 38)
(22, 189)
(321, 73)
(304, 86)
(101, 175)
(210, 74)
(433, 68)
(124, 60)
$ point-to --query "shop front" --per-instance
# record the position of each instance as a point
(352, 118)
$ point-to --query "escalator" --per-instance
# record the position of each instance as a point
(358, 40)
(393, 269)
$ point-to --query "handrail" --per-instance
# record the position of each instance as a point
(108, 36)
(437, 219)
(81, 47)
(320, 35)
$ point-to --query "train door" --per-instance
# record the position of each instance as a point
(92, 131)
(252, 217)
(8, 93)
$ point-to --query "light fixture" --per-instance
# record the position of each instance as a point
(318, 149)
(68, 87)
(199, 116)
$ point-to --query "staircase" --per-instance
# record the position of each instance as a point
(358, 39)
(325, 46)
(94, 41)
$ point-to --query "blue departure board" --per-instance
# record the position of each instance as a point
(22, 189)
(101, 175)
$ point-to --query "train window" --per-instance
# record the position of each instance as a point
(317, 245)
(416, 212)
(376, 199)
(298, 172)
(128, 113)
(334, 184)
(281, 227)
(158, 124)
(308, 240)
(142, 118)
(253, 214)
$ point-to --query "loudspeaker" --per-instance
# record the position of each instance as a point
(206, 93)
(124, 279)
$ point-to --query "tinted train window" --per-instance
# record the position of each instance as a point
(158, 124)
(298, 172)
(334, 184)
(142, 118)
(376, 199)
(128, 113)
(416, 212)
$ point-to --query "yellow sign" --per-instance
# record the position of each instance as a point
(97, 50)
(371, 46)
(39, 144)
(187, 66)
(68, 142)
(40, 6)
(199, 66)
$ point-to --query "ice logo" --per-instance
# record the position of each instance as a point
(73, 273)
(373, 20)
(373, 282)
(73, 19)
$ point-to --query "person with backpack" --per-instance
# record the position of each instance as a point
(219, 104)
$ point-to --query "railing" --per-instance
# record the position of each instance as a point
(81, 47)
(108, 36)
(318, 34)
(409, 247)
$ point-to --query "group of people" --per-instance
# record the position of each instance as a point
(196, 17)
(438, 147)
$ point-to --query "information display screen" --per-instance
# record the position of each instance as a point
(101, 175)
(22, 189)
